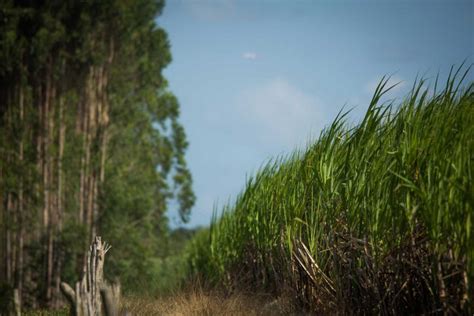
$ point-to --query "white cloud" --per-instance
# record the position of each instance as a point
(281, 114)
(249, 55)
(372, 85)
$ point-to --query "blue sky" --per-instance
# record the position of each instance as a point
(256, 79)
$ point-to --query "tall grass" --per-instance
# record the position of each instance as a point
(375, 218)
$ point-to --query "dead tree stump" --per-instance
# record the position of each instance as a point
(111, 299)
(85, 298)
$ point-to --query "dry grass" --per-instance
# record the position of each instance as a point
(196, 302)
(200, 302)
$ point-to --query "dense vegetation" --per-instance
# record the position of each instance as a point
(370, 219)
(90, 142)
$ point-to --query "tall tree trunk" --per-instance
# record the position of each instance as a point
(103, 124)
(82, 168)
(48, 176)
(20, 213)
(39, 157)
(61, 140)
(9, 202)
(53, 198)
(91, 135)
(59, 193)
(8, 239)
(45, 151)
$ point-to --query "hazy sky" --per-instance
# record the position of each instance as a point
(256, 79)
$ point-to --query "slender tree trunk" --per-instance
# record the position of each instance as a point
(39, 157)
(9, 205)
(59, 194)
(45, 143)
(20, 214)
(90, 132)
(90, 204)
(87, 153)
(49, 209)
(103, 124)
(82, 119)
(53, 133)
(14, 248)
(82, 126)
(62, 137)
(17, 174)
(8, 241)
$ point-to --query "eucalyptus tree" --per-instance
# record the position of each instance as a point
(90, 139)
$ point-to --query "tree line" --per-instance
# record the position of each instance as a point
(90, 140)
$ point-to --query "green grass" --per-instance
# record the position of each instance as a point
(385, 210)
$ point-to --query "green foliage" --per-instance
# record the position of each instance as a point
(70, 250)
(153, 273)
(402, 170)
(147, 147)
(60, 44)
